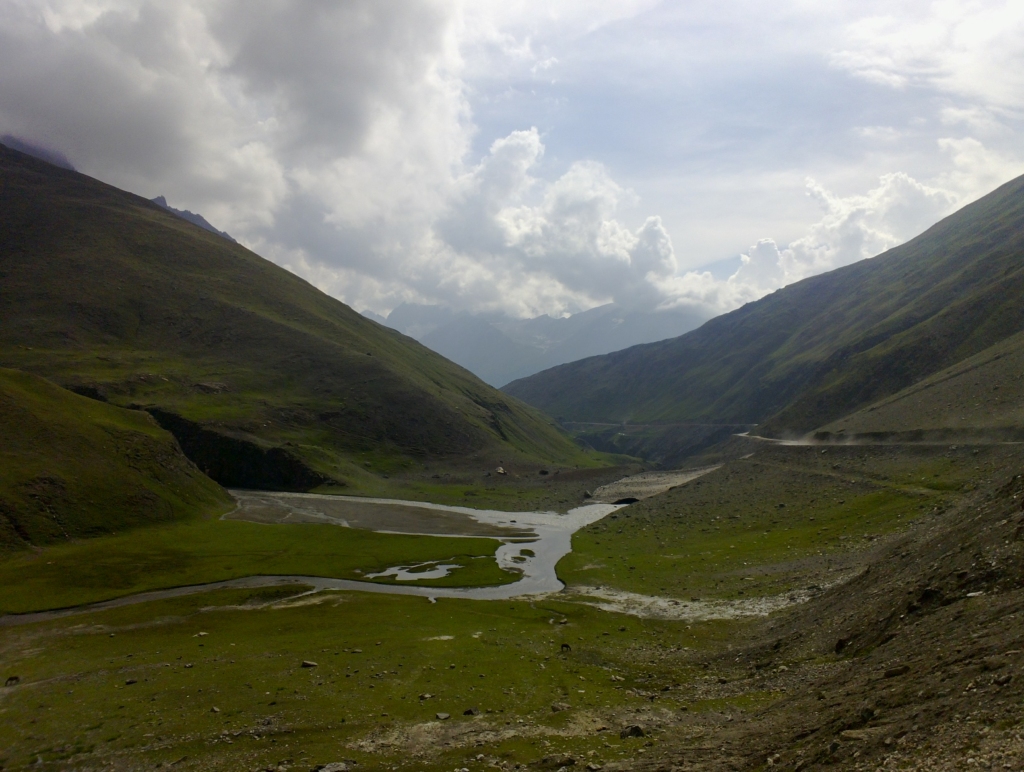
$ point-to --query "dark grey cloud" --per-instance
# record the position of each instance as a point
(326, 69)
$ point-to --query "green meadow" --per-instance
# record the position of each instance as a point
(218, 681)
(201, 551)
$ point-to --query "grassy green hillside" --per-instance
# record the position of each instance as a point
(819, 349)
(265, 380)
(71, 466)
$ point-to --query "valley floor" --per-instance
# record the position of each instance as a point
(797, 608)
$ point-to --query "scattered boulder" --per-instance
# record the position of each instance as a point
(558, 707)
(501, 470)
(854, 735)
(566, 647)
(899, 670)
(334, 766)
(13, 681)
(633, 730)
(308, 663)
(426, 696)
(130, 681)
(442, 716)
(471, 712)
(215, 710)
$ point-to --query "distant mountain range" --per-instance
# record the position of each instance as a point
(821, 348)
(499, 349)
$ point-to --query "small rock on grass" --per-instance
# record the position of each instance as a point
(443, 716)
(13, 681)
(471, 712)
(308, 663)
(556, 762)
(633, 730)
(334, 766)
(558, 707)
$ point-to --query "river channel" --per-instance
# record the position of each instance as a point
(530, 543)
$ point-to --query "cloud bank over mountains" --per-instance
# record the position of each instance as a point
(537, 157)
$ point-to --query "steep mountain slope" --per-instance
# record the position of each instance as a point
(72, 466)
(978, 399)
(267, 381)
(819, 349)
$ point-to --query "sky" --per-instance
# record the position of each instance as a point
(533, 157)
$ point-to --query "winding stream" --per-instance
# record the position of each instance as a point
(546, 537)
(531, 543)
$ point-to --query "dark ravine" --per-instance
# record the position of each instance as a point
(240, 463)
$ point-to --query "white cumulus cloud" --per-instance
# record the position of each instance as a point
(344, 140)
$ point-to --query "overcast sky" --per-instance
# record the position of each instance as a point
(532, 156)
